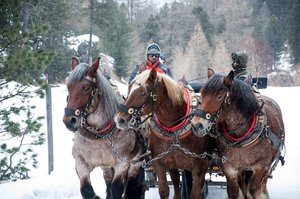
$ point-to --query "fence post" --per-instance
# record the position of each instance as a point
(49, 129)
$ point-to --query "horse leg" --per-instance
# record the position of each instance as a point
(108, 174)
(198, 176)
(83, 172)
(233, 189)
(175, 177)
(186, 184)
(258, 185)
(117, 187)
(135, 187)
(163, 186)
(244, 179)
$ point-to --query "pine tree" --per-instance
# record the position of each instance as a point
(115, 31)
(22, 64)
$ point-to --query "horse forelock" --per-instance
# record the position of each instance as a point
(108, 96)
(175, 90)
(214, 85)
(78, 73)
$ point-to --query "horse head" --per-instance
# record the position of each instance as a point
(214, 94)
(150, 93)
(91, 101)
(82, 88)
(141, 95)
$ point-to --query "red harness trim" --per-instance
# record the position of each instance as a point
(109, 125)
(183, 121)
(240, 138)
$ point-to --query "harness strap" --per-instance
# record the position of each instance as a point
(275, 140)
(94, 135)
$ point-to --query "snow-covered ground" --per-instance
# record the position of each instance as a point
(63, 182)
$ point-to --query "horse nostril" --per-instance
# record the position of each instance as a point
(121, 121)
(197, 127)
(200, 126)
(73, 120)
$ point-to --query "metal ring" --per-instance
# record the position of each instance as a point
(207, 116)
(77, 112)
(130, 111)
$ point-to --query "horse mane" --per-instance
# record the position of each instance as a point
(108, 96)
(241, 94)
(175, 90)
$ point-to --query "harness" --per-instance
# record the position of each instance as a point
(257, 131)
(181, 130)
(103, 133)
(173, 134)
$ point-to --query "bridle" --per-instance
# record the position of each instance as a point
(82, 112)
(136, 112)
(212, 118)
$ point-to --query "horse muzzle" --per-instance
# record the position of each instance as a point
(198, 129)
(71, 122)
(121, 121)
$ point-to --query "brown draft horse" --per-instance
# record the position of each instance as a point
(250, 133)
(173, 146)
(91, 106)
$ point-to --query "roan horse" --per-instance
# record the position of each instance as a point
(249, 130)
(91, 106)
(173, 146)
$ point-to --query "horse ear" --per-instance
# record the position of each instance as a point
(74, 62)
(153, 74)
(228, 80)
(93, 68)
(210, 72)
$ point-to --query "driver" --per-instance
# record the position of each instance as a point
(153, 54)
(239, 65)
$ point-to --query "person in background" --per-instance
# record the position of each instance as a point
(153, 53)
(82, 52)
(239, 65)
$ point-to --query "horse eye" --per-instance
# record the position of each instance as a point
(220, 97)
(87, 88)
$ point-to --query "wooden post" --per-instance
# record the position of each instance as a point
(49, 129)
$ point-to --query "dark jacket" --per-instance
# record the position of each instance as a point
(244, 75)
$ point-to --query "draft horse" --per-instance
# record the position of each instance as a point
(173, 146)
(91, 106)
(250, 133)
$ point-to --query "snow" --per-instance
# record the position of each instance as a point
(63, 183)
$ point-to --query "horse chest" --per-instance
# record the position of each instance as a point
(93, 152)
(249, 156)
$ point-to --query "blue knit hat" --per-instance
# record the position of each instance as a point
(153, 49)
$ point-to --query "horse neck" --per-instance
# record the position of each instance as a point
(235, 121)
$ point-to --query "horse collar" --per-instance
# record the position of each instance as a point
(103, 134)
(251, 136)
(181, 130)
